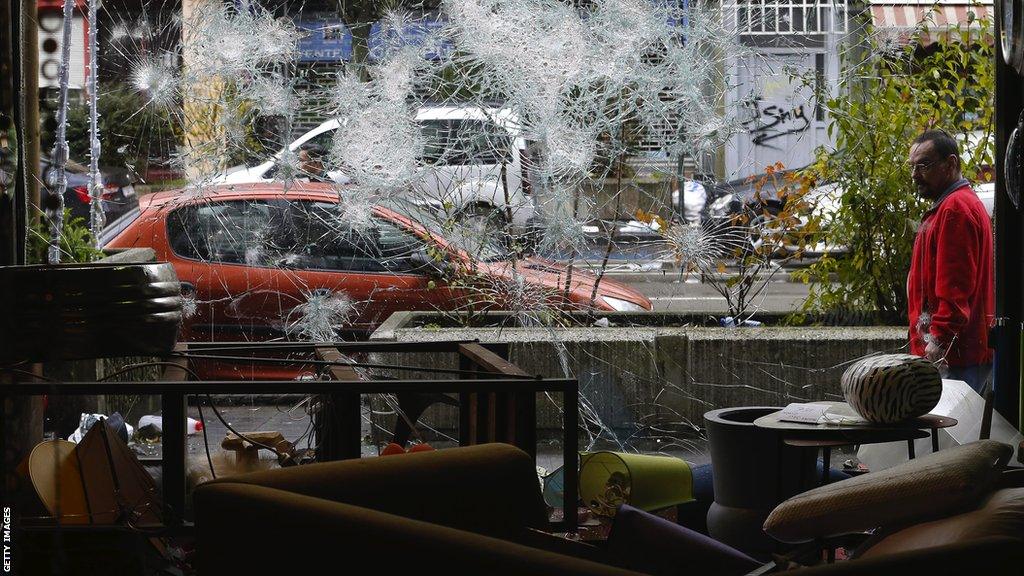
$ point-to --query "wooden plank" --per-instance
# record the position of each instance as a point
(484, 408)
(467, 408)
(446, 346)
(340, 426)
(285, 386)
(174, 408)
(178, 370)
(506, 406)
(492, 419)
(570, 454)
(489, 361)
(338, 371)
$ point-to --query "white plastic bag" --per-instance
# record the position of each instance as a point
(958, 401)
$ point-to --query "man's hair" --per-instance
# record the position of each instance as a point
(943, 143)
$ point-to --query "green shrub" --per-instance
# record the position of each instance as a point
(76, 241)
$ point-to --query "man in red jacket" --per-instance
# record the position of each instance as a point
(949, 289)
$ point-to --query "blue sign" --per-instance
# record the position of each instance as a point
(329, 40)
(324, 40)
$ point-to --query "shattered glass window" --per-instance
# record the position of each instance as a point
(610, 190)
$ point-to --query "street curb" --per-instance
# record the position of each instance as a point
(668, 273)
(673, 276)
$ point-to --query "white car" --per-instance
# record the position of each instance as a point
(475, 161)
(825, 202)
(987, 194)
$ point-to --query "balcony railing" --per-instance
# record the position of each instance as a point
(776, 18)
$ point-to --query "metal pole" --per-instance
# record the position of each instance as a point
(30, 91)
(1006, 377)
(60, 147)
(97, 220)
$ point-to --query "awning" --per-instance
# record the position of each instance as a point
(900, 20)
(941, 15)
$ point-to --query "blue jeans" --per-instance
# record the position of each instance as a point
(976, 376)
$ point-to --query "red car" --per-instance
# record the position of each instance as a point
(265, 261)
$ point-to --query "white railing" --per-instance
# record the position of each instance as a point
(785, 18)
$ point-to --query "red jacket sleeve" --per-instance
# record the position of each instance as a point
(956, 264)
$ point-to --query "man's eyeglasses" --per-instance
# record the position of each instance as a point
(922, 166)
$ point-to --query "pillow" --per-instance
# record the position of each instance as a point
(934, 485)
(1001, 515)
(646, 543)
(892, 387)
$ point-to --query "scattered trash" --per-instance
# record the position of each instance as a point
(553, 488)
(116, 422)
(149, 423)
(645, 266)
(854, 468)
(602, 323)
(635, 227)
(730, 322)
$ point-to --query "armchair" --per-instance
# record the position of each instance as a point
(478, 510)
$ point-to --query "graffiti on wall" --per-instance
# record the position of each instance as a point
(769, 122)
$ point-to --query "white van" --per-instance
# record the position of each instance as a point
(474, 165)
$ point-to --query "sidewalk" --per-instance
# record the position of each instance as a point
(637, 271)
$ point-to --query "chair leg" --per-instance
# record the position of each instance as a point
(826, 464)
(986, 418)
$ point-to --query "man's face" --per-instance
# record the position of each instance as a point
(932, 174)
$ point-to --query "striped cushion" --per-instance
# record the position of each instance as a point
(892, 387)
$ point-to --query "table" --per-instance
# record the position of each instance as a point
(828, 436)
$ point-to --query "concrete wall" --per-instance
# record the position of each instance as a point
(660, 381)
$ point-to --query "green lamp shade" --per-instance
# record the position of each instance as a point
(608, 479)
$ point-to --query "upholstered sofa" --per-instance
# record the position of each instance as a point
(479, 510)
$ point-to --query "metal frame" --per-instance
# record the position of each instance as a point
(499, 405)
(1009, 278)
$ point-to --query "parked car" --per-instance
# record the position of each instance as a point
(471, 157)
(258, 255)
(118, 190)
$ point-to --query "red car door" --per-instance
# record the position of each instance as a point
(225, 250)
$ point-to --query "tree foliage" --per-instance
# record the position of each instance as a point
(132, 134)
(889, 98)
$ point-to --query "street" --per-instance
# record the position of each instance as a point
(669, 294)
